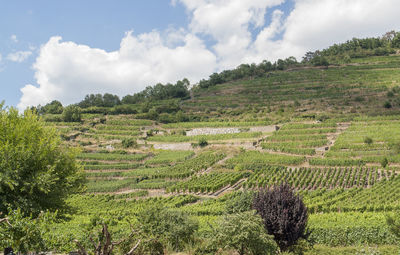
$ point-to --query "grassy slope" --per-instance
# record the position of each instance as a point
(359, 88)
(342, 93)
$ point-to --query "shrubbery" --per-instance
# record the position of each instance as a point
(72, 113)
(284, 215)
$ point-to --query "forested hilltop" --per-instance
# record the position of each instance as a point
(285, 157)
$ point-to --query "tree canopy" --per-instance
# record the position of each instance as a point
(36, 171)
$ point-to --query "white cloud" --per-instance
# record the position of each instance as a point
(312, 25)
(229, 22)
(67, 71)
(315, 24)
(19, 56)
(14, 38)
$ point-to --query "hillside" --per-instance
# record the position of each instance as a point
(330, 132)
(338, 90)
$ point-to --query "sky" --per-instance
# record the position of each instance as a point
(64, 50)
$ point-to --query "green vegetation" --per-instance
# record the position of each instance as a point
(37, 171)
(327, 127)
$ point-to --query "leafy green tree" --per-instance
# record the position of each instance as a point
(169, 227)
(55, 107)
(319, 61)
(396, 41)
(100, 240)
(72, 113)
(36, 171)
(244, 233)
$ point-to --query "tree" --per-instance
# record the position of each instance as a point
(284, 215)
(319, 61)
(72, 113)
(396, 41)
(36, 171)
(55, 107)
(101, 241)
(168, 227)
(243, 232)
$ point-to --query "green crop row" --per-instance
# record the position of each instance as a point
(252, 160)
(208, 183)
(113, 156)
(287, 149)
(183, 138)
(309, 178)
(188, 125)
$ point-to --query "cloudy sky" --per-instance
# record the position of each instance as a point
(66, 49)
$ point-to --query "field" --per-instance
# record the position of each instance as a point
(335, 143)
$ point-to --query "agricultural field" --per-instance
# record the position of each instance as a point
(324, 131)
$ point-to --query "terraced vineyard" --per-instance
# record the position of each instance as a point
(325, 132)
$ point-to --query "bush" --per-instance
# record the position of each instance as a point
(284, 215)
(387, 105)
(243, 232)
(129, 142)
(368, 140)
(384, 162)
(203, 142)
(174, 228)
(240, 202)
(26, 234)
(320, 61)
(72, 113)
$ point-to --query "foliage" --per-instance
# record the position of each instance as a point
(368, 140)
(169, 227)
(240, 202)
(101, 241)
(284, 215)
(394, 225)
(159, 92)
(203, 142)
(243, 232)
(246, 70)
(25, 234)
(319, 61)
(72, 113)
(129, 142)
(98, 100)
(54, 107)
(384, 162)
(387, 105)
(37, 172)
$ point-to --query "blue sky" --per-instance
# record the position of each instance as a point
(122, 46)
(99, 24)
